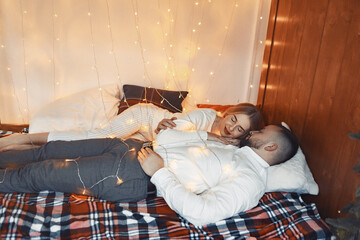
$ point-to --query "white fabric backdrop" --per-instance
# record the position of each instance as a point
(53, 48)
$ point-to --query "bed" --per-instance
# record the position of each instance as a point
(280, 214)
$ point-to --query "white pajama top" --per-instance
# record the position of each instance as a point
(139, 121)
(206, 181)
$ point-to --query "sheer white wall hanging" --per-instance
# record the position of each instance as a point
(50, 49)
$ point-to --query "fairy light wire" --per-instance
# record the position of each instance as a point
(213, 73)
(95, 61)
(53, 48)
(24, 59)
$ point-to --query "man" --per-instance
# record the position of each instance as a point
(204, 181)
(207, 184)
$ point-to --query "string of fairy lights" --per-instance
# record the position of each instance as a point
(170, 46)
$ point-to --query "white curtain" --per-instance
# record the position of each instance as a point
(53, 48)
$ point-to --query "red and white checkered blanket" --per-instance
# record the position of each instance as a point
(52, 215)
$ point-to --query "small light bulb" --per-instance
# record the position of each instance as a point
(119, 181)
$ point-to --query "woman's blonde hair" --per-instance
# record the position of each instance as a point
(255, 117)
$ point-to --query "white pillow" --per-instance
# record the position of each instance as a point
(293, 175)
(83, 110)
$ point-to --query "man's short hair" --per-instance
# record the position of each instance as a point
(289, 145)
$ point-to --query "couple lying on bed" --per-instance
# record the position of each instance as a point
(200, 177)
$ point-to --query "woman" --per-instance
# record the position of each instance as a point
(144, 121)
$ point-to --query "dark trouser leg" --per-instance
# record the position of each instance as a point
(104, 168)
(56, 150)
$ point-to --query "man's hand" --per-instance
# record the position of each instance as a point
(165, 123)
(150, 161)
(224, 140)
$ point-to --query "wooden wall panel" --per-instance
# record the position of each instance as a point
(314, 86)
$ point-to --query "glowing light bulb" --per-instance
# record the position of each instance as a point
(194, 30)
(260, 18)
(119, 181)
(162, 100)
(84, 191)
(198, 48)
(193, 69)
(130, 121)
(251, 86)
(196, 3)
(169, 10)
(133, 149)
(55, 15)
(8, 68)
(260, 42)
(25, 12)
(89, 13)
(2, 46)
(257, 65)
(135, 13)
(199, 23)
(211, 73)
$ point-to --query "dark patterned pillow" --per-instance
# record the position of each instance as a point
(170, 100)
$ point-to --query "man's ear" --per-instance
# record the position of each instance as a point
(271, 146)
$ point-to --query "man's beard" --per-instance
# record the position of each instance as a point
(253, 143)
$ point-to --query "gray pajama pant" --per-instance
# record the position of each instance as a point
(104, 168)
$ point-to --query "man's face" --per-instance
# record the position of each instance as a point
(257, 139)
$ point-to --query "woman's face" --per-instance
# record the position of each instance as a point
(234, 125)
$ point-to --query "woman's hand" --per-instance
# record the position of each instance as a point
(165, 123)
(224, 140)
(150, 161)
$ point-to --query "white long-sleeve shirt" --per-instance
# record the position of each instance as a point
(206, 181)
(138, 121)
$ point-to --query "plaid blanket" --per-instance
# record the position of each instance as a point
(53, 215)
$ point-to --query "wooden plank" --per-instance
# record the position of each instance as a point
(13, 127)
(324, 137)
(293, 41)
(302, 81)
(267, 52)
(276, 59)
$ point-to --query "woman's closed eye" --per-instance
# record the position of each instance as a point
(241, 129)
